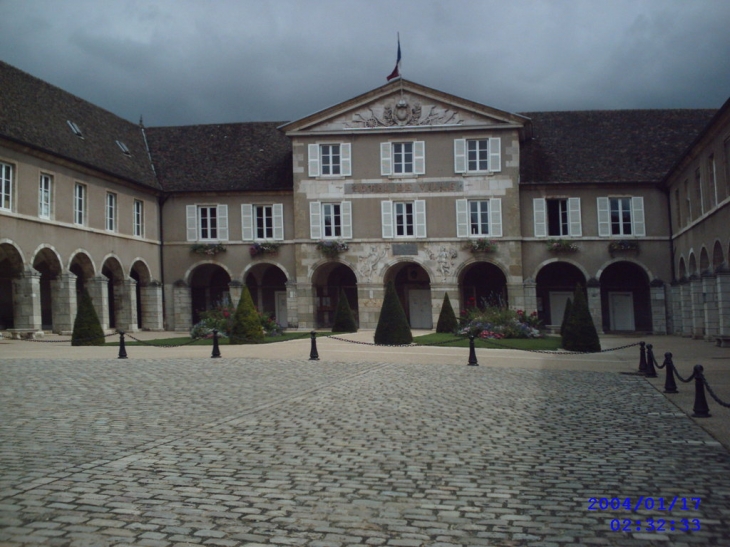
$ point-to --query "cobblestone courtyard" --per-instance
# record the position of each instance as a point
(246, 452)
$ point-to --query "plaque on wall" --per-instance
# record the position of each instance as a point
(401, 249)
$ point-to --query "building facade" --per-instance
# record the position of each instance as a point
(438, 194)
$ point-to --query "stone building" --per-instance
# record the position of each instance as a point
(403, 183)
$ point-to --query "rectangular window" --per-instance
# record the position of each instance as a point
(479, 217)
(402, 157)
(138, 218)
(477, 155)
(557, 217)
(80, 204)
(332, 219)
(678, 207)
(713, 180)
(404, 219)
(698, 186)
(264, 215)
(111, 212)
(208, 222)
(688, 200)
(6, 186)
(330, 160)
(44, 196)
(620, 216)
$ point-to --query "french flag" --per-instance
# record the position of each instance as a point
(396, 70)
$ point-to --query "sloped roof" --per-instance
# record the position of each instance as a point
(607, 145)
(253, 156)
(35, 113)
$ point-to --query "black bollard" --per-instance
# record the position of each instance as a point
(472, 354)
(313, 355)
(670, 386)
(642, 358)
(700, 409)
(650, 370)
(122, 349)
(216, 350)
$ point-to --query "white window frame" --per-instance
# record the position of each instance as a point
(6, 186)
(80, 192)
(317, 156)
(249, 223)
(388, 156)
(493, 153)
(394, 215)
(45, 196)
(318, 219)
(464, 218)
(635, 210)
(110, 212)
(573, 223)
(194, 221)
(138, 218)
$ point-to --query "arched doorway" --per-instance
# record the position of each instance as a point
(208, 288)
(625, 298)
(46, 263)
(717, 255)
(482, 285)
(413, 287)
(327, 281)
(112, 270)
(267, 285)
(82, 267)
(141, 274)
(11, 267)
(555, 285)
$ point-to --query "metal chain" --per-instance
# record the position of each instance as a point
(688, 380)
(192, 341)
(657, 365)
(64, 341)
(712, 393)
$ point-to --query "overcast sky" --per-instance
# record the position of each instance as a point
(180, 62)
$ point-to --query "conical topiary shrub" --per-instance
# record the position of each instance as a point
(87, 327)
(581, 334)
(393, 328)
(447, 318)
(344, 319)
(566, 316)
(246, 328)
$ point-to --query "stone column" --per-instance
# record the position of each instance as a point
(686, 296)
(722, 294)
(235, 290)
(292, 309)
(709, 286)
(151, 296)
(182, 307)
(676, 301)
(658, 307)
(64, 303)
(530, 292)
(97, 288)
(306, 306)
(369, 301)
(593, 288)
(27, 301)
(516, 295)
(698, 307)
(126, 301)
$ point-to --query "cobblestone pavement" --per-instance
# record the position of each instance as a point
(180, 452)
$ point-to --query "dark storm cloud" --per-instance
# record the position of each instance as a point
(188, 62)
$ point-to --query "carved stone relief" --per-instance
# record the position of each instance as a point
(368, 264)
(444, 257)
(405, 113)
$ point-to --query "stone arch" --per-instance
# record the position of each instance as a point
(387, 267)
(209, 284)
(12, 267)
(704, 260)
(717, 255)
(189, 271)
(118, 312)
(682, 268)
(47, 262)
(483, 283)
(82, 266)
(626, 297)
(564, 260)
(140, 273)
(555, 284)
(468, 263)
(327, 280)
(267, 284)
(412, 281)
(311, 273)
(692, 264)
(608, 263)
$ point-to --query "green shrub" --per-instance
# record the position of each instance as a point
(566, 315)
(393, 328)
(87, 327)
(344, 319)
(447, 318)
(581, 334)
(246, 328)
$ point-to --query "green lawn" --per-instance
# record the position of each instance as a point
(549, 343)
(223, 341)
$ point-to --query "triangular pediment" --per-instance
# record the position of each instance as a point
(404, 105)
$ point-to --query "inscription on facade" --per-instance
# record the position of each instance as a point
(402, 187)
(401, 249)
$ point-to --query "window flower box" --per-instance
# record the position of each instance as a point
(623, 246)
(263, 247)
(561, 246)
(210, 249)
(331, 247)
(482, 245)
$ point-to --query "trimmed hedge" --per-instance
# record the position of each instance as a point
(87, 327)
(393, 328)
(246, 327)
(580, 332)
(344, 319)
(447, 318)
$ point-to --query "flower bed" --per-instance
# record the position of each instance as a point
(210, 249)
(561, 246)
(499, 323)
(263, 247)
(332, 247)
(482, 246)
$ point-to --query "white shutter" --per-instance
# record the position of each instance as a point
(346, 217)
(420, 217)
(419, 158)
(637, 216)
(495, 217)
(247, 222)
(462, 218)
(575, 228)
(495, 154)
(386, 218)
(313, 160)
(345, 159)
(223, 222)
(278, 211)
(604, 217)
(459, 155)
(539, 209)
(191, 213)
(315, 220)
(386, 159)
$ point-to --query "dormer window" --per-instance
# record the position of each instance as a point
(123, 148)
(75, 129)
